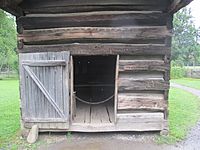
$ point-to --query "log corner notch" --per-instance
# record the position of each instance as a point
(176, 5)
(12, 7)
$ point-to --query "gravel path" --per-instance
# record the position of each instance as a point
(192, 141)
(189, 89)
(124, 141)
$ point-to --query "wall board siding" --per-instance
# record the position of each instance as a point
(75, 9)
(107, 28)
(93, 19)
(61, 3)
(99, 49)
(140, 117)
(141, 101)
(142, 75)
(143, 65)
(79, 34)
(141, 88)
(131, 84)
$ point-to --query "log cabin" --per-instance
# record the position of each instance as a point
(94, 65)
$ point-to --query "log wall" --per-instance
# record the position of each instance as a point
(139, 31)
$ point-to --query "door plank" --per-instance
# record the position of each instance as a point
(44, 91)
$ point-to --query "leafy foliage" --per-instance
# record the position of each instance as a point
(8, 42)
(185, 48)
(177, 72)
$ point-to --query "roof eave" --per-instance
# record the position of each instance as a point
(11, 6)
(176, 5)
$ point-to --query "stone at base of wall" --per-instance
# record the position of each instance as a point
(33, 134)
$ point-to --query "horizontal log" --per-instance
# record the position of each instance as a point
(142, 65)
(142, 75)
(93, 19)
(61, 3)
(80, 34)
(11, 6)
(142, 121)
(129, 84)
(100, 49)
(141, 101)
(140, 117)
(89, 8)
(176, 5)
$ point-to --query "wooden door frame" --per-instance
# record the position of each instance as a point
(72, 108)
(116, 89)
(71, 89)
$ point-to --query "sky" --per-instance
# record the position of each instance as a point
(195, 10)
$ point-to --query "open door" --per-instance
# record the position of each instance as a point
(44, 81)
(93, 88)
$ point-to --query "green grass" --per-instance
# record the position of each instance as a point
(193, 83)
(184, 112)
(9, 110)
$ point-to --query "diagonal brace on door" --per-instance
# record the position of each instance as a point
(44, 91)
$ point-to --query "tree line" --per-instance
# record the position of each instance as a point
(8, 43)
(185, 43)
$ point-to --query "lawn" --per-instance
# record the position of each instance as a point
(193, 83)
(184, 113)
(9, 109)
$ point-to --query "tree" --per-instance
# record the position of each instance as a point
(8, 44)
(185, 47)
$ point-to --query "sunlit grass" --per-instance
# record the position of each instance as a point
(9, 109)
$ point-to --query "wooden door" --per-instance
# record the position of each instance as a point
(44, 81)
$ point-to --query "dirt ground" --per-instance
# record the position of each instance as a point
(120, 141)
(117, 141)
(105, 141)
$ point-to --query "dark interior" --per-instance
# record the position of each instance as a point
(94, 77)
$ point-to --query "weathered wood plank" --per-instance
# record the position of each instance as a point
(120, 126)
(142, 57)
(96, 114)
(72, 96)
(140, 117)
(93, 19)
(142, 75)
(45, 63)
(12, 7)
(176, 5)
(142, 65)
(44, 120)
(65, 86)
(48, 126)
(141, 101)
(129, 84)
(112, 112)
(116, 89)
(37, 99)
(45, 92)
(100, 49)
(94, 34)
(89, 8)
(61, 3)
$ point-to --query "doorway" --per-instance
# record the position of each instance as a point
(94, 89)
